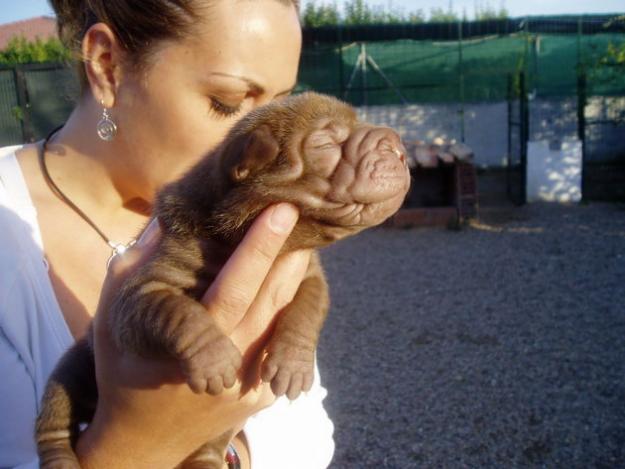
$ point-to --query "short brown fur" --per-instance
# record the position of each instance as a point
(265, 159)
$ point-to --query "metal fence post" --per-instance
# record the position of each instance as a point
(341, 66)
(24, 103)
(525, 124)
(581, 99)
(509, 154)
(461, 81)
(363, 78)
(581, 119)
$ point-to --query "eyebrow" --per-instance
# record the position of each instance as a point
(252, 84)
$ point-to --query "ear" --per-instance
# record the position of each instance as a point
(260, 149)
(102, 55)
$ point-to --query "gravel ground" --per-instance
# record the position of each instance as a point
(501, 345)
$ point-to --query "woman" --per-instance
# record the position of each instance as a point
(163, 81)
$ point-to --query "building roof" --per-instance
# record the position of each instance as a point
(42, 27)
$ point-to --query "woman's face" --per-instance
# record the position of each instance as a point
(246, 53)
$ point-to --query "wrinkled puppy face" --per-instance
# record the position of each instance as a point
(311, 150)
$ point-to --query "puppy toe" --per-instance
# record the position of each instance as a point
(215, 385)
(295, 386)
(280, 383)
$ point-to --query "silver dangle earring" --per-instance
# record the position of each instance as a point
(107, 129)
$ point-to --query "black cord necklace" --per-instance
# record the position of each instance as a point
(118, 248)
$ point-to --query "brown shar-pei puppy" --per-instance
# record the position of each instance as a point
(309, 150)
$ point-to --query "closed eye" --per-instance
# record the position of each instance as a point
(324, 146)
(224, 109)
(385, 145)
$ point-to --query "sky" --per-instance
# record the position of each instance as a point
(14, 10)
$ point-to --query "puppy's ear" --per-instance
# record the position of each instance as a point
(260, 149)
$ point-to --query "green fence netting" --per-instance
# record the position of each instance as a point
(423, 71)
(52, 94)
(411, 71)
(428, 63)
(10, 113)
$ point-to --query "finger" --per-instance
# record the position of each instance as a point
(239, 281)
(278, 290)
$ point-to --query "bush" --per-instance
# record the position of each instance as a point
(358, 12)
(19, 50)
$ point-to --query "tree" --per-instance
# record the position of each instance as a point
(19, 50)
(485, 11)
(416, 16)
(615, 55)
(440, 15)
(322, 15)
(356, 12)
(608, 68)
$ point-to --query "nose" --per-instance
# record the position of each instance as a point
(367, 138)
(400, 155)
(392, 139)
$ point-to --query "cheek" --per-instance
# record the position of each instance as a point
(323, 161)
(173, 128)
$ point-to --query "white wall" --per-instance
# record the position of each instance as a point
(554, 174)
(486, 125)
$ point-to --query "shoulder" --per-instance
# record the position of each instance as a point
(13, 190)
(18, 229)
(8, 155)
(24, 284)
(19, 254)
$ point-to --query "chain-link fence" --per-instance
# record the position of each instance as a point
(558, 78)
(457, 61)
(11, 114)
(34, 99)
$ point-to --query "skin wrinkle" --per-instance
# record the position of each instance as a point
(372, 167)
(375, 169)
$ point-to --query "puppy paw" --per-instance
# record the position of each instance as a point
(57, 456)
(211, 364)
(60, 464)
(289, 368)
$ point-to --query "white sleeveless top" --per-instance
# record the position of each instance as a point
(34, 335)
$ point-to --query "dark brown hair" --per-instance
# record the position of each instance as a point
(138, 24)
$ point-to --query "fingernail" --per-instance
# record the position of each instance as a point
(283, 218)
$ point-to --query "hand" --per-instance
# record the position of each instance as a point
(147, 416)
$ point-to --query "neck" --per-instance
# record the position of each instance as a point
(89, 172)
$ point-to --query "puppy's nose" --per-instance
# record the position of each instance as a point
(402, 151)
(400, 155)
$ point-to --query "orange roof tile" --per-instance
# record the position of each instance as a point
(42, 27)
